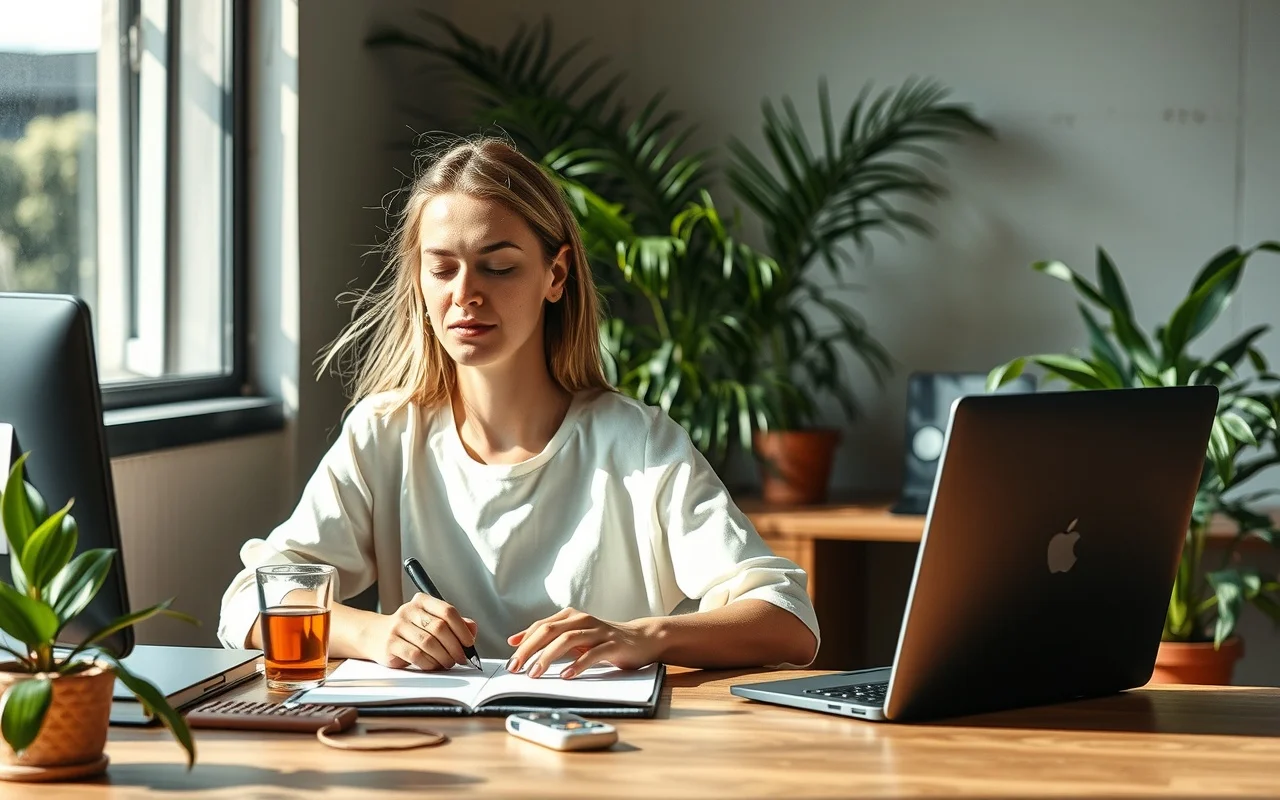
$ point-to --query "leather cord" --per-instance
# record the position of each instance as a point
(379, 737)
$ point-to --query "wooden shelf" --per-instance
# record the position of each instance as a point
(870, 520)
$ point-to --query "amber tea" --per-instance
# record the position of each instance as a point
(295, 645)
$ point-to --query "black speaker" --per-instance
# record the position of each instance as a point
(929, 399)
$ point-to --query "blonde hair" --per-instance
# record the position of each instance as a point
(389, 346)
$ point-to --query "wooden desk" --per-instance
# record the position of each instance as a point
(1166, 742)
(829, 542)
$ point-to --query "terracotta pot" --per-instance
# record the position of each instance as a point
(795, 466)
(1197, 662)
(75, 727)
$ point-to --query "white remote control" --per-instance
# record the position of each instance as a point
(561, 730)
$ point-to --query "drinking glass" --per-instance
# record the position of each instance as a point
(293, 606)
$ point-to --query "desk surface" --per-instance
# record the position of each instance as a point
(1166, 742)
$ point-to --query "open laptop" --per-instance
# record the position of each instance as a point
(1050, 547)
(50, 397)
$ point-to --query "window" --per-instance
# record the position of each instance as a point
(119, 174)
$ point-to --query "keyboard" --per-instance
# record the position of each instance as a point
(869, 693)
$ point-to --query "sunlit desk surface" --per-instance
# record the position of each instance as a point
(1167, 742)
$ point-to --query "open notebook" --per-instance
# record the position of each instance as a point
(602, 691)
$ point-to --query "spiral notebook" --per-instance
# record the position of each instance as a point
(602, 691)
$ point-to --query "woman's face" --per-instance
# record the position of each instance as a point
(485, 278)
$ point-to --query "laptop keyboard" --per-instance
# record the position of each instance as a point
(869, 693)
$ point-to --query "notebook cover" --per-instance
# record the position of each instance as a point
(501, 710)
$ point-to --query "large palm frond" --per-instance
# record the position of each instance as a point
(819, 199)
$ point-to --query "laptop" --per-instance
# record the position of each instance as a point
(1049, 552)
(184, 675)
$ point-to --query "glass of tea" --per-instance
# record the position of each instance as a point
(293, 608)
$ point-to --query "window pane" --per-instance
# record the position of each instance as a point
(48, 145)
(115, 149)
(201, 288)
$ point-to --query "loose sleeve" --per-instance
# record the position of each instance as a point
(716, 555)
(332, 524)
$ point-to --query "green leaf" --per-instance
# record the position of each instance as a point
(1074, 370)
(156, 703)
(49, 548)
(1238, 428)
(1231, 354)
(29, 621)
(1213, 290)
(1228, 587)
(1100, 345)
(25, 704)
(1259, 410)
(74, 587)
(15, 510)
(1004, 373)
(1221, 451)
(1112, 287)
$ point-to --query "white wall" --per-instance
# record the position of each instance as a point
(1151, 127)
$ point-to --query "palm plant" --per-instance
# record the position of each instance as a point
(681, 283)
(1204, 606)
(819, 201)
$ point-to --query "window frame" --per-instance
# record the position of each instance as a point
(233, 383)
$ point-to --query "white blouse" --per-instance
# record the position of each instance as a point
(619, 516)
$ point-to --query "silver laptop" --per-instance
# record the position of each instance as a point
(1050, 546)
(184, 675)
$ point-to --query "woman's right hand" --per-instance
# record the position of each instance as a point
(425, 632)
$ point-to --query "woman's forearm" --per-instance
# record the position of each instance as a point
(745, 633)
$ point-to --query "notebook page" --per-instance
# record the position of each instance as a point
(603, 684)
(364, 683)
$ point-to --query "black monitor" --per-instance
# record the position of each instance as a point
(49, 393)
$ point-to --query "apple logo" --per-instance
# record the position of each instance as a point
(1062, 548)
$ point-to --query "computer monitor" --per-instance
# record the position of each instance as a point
(49, 393)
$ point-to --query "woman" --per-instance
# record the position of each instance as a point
(566, 520)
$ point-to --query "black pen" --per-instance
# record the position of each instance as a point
(422, 580)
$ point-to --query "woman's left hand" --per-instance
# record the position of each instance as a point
(626, 645)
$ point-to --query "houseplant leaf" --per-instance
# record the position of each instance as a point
(49, 547)
(1077, 371)
(1004, 373)
(1231, 589)
(29, 621)
(1238, 428)
(1214, 288)
(19, 521)
(25, 704)
(156, 703)
(76, 585)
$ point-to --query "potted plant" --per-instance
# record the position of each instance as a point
(55, 707)
(1199, 644)
(815, 203)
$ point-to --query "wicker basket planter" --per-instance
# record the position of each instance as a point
(71, 742)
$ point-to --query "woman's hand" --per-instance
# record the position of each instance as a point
(626, 645)
(425, 632)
